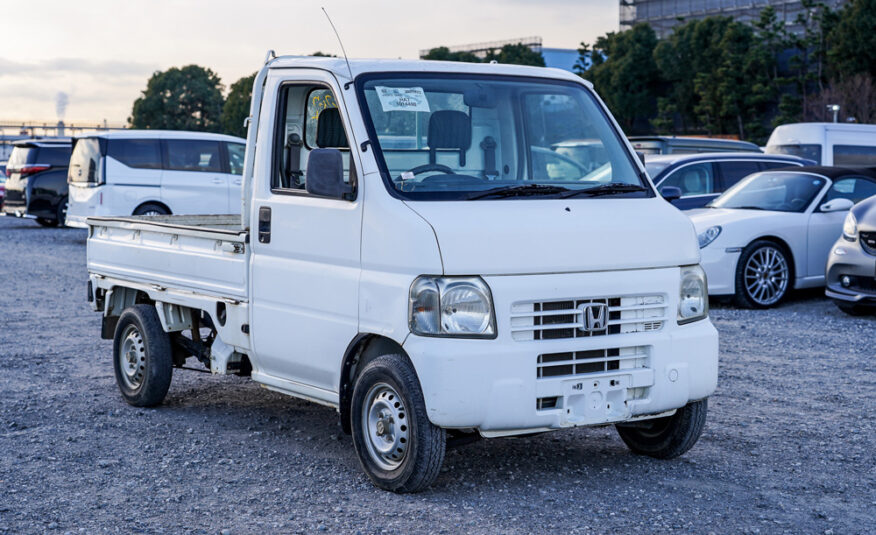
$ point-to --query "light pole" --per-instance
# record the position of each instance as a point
(835, 108)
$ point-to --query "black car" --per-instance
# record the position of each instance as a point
(702, 177)
(36, 184)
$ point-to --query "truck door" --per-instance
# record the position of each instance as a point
(305, 268)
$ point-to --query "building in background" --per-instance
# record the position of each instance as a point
(663, 15)
(560, 58)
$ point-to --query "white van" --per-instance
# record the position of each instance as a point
(833, 144)
(154, 172)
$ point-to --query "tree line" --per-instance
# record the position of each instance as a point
(717, 76)
(714, 76)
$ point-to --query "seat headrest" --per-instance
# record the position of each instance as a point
(449, 129)
(330, 129)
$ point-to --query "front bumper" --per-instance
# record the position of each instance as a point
(493, 385)
(859, 266)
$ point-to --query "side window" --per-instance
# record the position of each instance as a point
(855, 189)
(193, 155)
(310, 120)
(854, 156)
(235, 158)
(734, 171)
(136, 153)
(694, 179)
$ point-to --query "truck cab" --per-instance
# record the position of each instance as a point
(412, 252)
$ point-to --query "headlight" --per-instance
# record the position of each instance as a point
(708, 236)
(850, 227)
(452, 306)
(693, 299)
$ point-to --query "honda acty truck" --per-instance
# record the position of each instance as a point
(413, 253)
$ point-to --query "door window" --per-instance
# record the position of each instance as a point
(193, 155)
(694, 179)
(235, 158)
(734, 171)
(312, 121)
(855, 189)
(136, 153)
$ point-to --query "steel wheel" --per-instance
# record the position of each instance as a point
(383, 418)
(132, 358)
(766, 275)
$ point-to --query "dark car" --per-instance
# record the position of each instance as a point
(851, 267)
(36, 184)
(702, 177)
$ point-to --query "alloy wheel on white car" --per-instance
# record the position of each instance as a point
(766, 275)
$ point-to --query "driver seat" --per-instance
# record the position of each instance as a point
(449, 129)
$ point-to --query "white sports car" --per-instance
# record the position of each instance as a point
(773, 230)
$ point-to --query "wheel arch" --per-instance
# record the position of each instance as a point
(156, 202)
(781, 242)
(364, 348)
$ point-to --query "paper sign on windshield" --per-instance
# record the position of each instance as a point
(402, 98)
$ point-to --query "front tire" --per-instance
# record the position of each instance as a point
(142, 356)
(763, 275)
(669, 437)
(398, 447)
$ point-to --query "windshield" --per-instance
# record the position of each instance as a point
(448, 137)
(810, 151)
(781, 191)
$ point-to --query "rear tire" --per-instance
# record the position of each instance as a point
(669, 437)
(45, 222)
(142, 356)
(398, 447)
(151, 209)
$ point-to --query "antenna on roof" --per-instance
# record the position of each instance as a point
(339, 42)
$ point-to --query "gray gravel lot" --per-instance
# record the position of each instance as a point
(788, 448)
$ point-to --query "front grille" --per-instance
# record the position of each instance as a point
(576, 363)
(868, 242)
(564, 318)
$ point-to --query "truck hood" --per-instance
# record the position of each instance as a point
(508, 237)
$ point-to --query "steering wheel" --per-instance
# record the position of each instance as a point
(428, 167)
(794, 204)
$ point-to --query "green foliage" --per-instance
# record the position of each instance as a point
(853, 40)
(236, 107)
(625, 74)
(518, 54)
(187, 98)
(442, 53)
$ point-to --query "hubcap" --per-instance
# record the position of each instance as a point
(384, 420)
(132, 358)
(766, 275)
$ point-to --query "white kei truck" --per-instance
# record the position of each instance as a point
(413, 252)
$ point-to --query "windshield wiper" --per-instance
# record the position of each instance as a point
(748, 208)
(606, 189)
(525, 190)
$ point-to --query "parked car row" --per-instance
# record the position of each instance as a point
(129, 172)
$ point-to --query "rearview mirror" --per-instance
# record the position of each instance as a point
(837, 205)
(670, 193)
(325, 174)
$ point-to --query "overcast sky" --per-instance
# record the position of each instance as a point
(101, 52)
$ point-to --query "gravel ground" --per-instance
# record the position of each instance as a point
(788, 447)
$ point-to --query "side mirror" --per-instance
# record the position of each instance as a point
(670, 193)
(837, 205)
(641, 156)
(325, 174)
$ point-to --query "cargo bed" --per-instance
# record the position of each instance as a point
(204, 254)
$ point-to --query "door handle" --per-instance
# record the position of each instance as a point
(218, 181)
(238, 182)
(265, 224)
